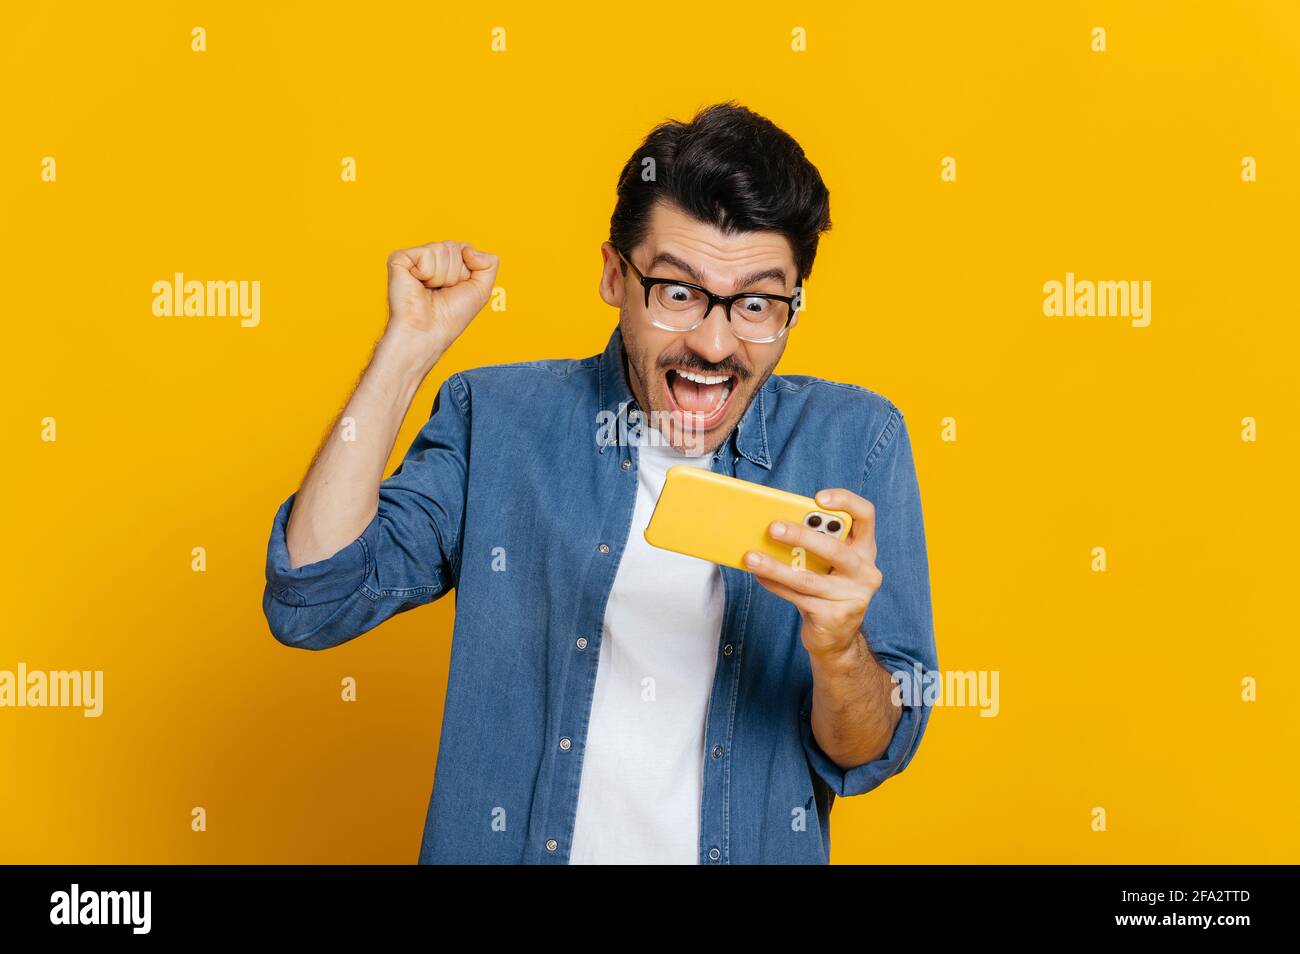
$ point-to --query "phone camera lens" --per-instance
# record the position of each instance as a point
(814, 520)
(833, 527)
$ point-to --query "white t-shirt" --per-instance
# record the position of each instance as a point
(643, 768)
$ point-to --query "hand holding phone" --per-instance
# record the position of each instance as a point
(719, 518)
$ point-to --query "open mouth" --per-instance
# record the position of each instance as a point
(702, 399)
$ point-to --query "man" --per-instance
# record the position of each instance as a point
(608, 701)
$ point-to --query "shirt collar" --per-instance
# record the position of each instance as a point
(749, 438)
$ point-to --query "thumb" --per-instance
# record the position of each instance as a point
(483, 266)
(478, 258)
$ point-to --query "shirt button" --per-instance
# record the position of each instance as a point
(727, 650)
(714, 854)
(565, 744)
(603, 548)
(627, 465)
(582, 642)
(552, 845)
(717, 751)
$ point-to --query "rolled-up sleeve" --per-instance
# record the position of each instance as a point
(406, 556)
(899, 623)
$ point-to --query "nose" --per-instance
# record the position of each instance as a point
(713, 340)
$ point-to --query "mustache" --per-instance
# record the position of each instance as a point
(693, 362)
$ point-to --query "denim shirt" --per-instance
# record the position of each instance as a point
(514, 495)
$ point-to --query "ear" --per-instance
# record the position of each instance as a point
(611, 276)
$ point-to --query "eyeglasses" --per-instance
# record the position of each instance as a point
(675, 305)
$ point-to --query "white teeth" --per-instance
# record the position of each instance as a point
(708, 379)
(703, 378)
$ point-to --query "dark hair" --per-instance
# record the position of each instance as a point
(731, 168)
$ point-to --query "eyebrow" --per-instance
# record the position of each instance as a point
(666, 258)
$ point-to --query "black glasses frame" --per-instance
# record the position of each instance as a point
(725, 300)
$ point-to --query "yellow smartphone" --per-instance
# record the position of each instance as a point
(718, 518)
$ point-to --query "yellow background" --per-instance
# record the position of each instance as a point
(1118, 689)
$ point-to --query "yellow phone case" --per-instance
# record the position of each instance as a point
(718, 518)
